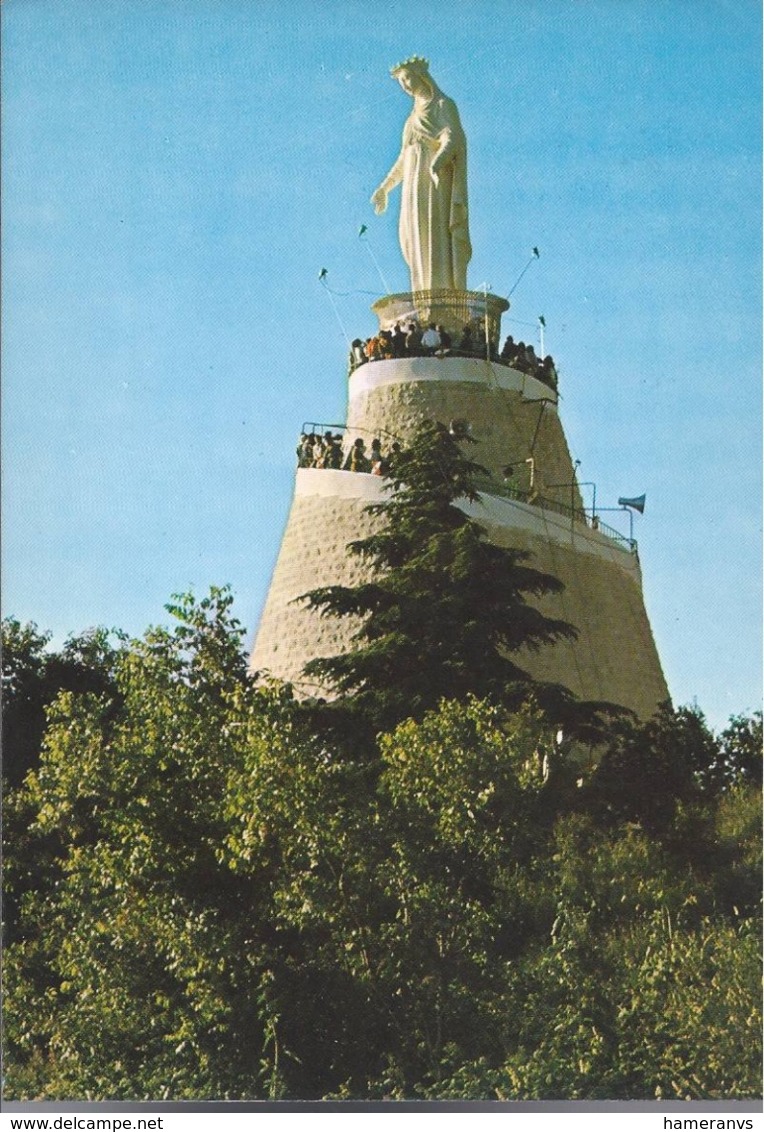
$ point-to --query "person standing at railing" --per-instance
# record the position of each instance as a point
(318, 453)
(444, 346)
(431, 339)
(386, 344)
(356, 460)
(305, 450)
(547, 372)
(375, 457)
(413, 340)
(399, 341)
(357, 356)
(508, 350)
(333, 454)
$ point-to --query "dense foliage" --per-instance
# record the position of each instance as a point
(217, 898)
(33, 676)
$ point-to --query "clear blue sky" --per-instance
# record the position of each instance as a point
(177, 172)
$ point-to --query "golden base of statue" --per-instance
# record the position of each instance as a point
(476, 313)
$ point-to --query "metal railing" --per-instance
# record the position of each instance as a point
(576, 514)
(487, 486)
(478, 352)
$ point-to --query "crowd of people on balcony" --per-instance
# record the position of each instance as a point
(314, 451)
(413, 341)
(525, 359)
(410, 341)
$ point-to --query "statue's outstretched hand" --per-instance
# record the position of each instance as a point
(379, 200)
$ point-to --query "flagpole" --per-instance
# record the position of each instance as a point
(542, 324)
(322, 280)
(485, 288)
(536, 255)
(361, 231)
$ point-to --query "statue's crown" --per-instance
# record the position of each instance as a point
(415, 63)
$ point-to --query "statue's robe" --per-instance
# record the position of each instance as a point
(434, 230)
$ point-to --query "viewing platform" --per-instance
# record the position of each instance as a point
(447, 324)
(560, 522)
(454, 367)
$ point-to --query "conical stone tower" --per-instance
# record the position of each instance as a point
(513, 417)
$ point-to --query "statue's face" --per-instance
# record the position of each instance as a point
(412, 83)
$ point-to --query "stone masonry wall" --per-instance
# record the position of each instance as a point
(505, 411)
(313, 553)
(614, 657)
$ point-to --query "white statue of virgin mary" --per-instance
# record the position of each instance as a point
(432, 167)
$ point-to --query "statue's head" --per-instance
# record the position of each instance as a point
(414, 76)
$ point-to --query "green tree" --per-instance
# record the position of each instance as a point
(735, 858)
(741, 751)
(205, 870)
(464, 798)
(33, 675)
(649, 769)
(530, 951)
(639, 992)
(445, 610)
(217, 902)
(130, 977)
